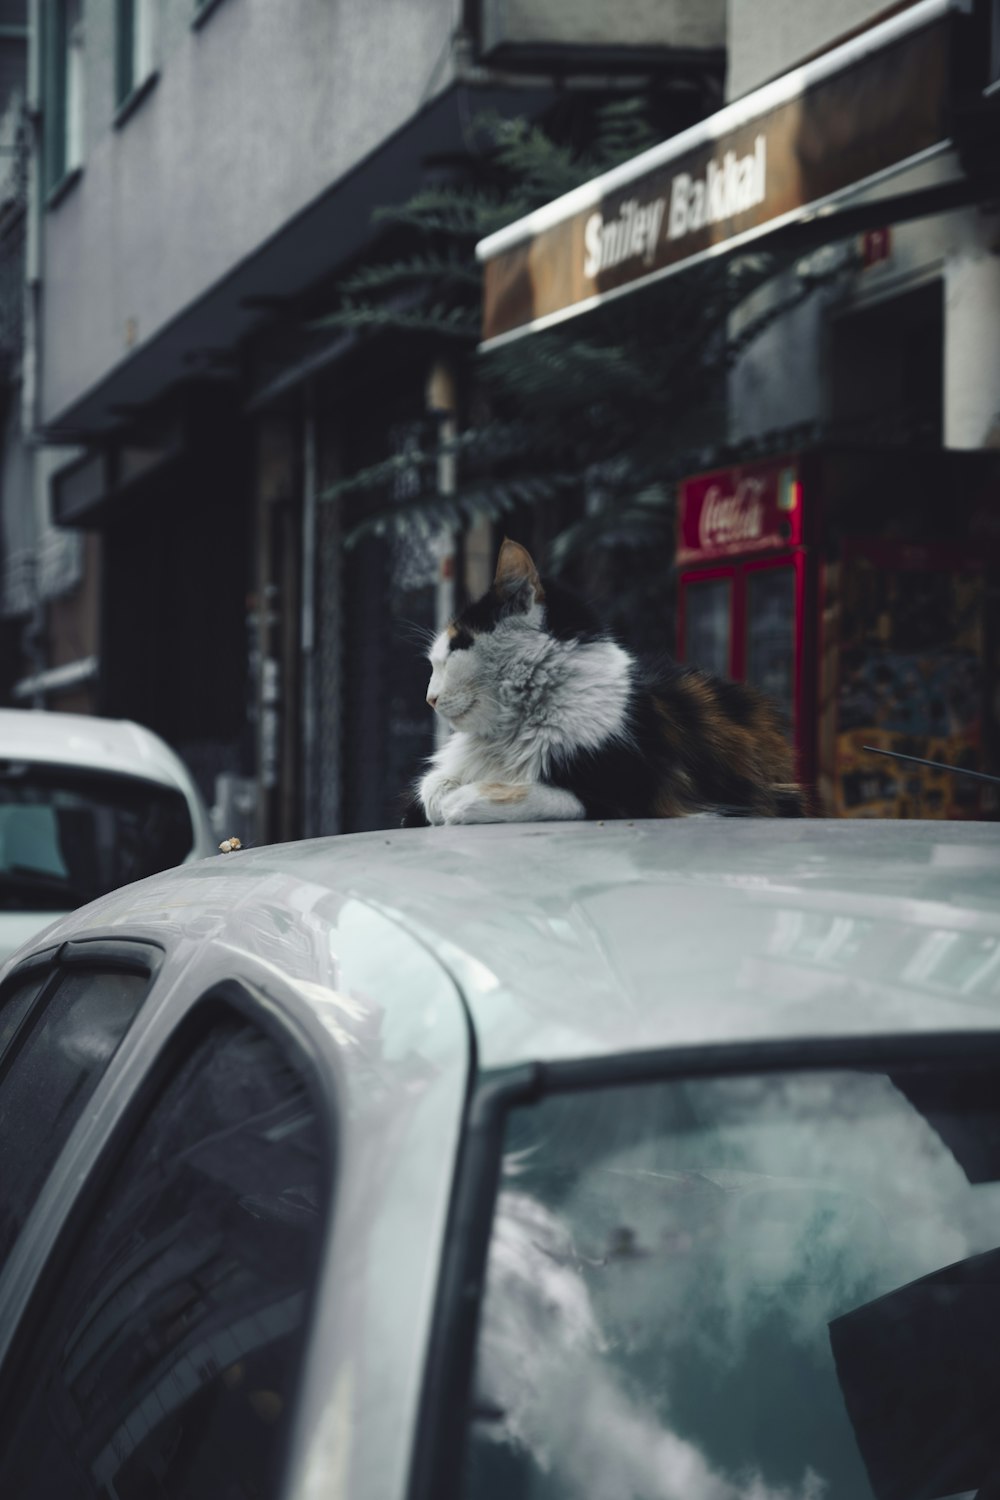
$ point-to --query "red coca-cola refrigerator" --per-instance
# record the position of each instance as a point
(747, 594)
(861, 591)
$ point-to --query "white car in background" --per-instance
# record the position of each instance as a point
(86, 805)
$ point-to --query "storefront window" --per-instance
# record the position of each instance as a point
(707, 616)
(771, 635)
(911, 680)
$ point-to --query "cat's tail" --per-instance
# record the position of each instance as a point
(790, 801)
(781, 801)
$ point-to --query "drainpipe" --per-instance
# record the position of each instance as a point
(441, 404)
(307, 629)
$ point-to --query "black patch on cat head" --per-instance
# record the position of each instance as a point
(480, 617)
(460, 639)
(567, 617)
(497, 604)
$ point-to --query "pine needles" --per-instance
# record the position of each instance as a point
(624, 399)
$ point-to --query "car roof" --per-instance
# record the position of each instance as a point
(585, 940)
(89, 743)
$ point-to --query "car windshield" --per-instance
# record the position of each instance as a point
(746, 1288)
(68, 836)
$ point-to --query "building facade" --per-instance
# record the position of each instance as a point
(887, 381)
(204, 172)
(840, 546)
(180, 536)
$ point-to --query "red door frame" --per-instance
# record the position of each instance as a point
(737, 572)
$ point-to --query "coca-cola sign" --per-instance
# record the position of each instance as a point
(738, 517)
(755, 508)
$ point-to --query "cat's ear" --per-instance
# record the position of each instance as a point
(517, 577)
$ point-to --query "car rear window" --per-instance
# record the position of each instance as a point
(784, 1285)
(68, 836)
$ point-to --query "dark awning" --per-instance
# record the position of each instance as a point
(204, 338)
(802, 151)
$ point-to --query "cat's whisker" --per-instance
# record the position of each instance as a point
(415, 632)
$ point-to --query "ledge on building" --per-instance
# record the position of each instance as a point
(203, 9)
(134, 98)
(63, 187)
(57, 679)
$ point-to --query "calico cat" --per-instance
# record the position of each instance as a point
(553, 719)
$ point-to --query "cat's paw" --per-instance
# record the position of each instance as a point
(476, 803)
(432, 792)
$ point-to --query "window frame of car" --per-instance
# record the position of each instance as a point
(48, 970)
(150, 1055)
(80, 955)
(439, 1451)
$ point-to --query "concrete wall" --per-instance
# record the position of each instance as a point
(255, 113)
(783, 377)
(972, 340)
(778, 381)
(767, 37)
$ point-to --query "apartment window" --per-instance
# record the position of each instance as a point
(13, 54)
(64, 43)
(136, 47)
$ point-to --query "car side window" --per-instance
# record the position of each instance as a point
(14, 1007)
(54, 1062)
(167, 1354)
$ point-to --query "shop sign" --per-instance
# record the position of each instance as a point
(735, 512)
(764, 161)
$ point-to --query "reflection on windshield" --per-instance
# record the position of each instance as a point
(67, 837)
(746, 1287)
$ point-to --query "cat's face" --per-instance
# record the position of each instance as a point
(481, 664)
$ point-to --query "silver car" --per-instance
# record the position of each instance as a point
(568, 1162)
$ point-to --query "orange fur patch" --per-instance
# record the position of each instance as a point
(756, 749)
(500, 791)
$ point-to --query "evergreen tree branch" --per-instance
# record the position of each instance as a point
(434, 510)
(375, 278)
(451, 322)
